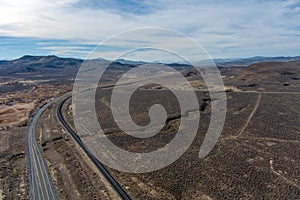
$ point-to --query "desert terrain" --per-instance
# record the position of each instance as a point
(255, 158)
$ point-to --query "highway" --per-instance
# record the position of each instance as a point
(40, 183)
(117, 187)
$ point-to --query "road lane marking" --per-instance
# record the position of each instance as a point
(34, 158)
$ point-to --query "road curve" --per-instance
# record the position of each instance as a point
(117, 187)
(40, 183)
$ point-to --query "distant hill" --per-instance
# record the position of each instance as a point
(50, 68)
(268, 76)
(252, 60)
(40, 66)
(272, 70)
(53, 66)
(59, 70)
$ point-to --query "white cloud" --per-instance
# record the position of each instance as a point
(225, 28)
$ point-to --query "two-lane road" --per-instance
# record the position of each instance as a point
(100, 166)
(40, 183)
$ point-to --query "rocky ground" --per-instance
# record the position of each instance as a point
(73, 174)
(15, 111)
(255, 158)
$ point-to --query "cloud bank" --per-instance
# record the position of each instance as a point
(225, 28)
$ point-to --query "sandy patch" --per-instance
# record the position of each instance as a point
(15, 115)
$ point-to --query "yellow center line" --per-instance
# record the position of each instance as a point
(33, 191)
(36, 172)
(41, 173)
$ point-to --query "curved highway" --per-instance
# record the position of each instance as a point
(40, 183)
(117, 187)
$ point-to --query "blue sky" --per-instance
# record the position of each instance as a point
(72, 28)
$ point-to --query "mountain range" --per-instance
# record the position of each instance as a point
(57, 68)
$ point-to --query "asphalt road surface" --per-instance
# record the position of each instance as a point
(102, 168)
(40, 183)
